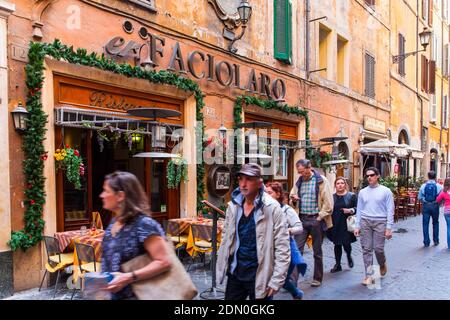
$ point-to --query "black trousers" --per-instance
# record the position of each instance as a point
(240, 290)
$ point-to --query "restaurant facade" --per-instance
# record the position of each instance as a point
(197, 59)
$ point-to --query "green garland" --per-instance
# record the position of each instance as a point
(268, 105)
(33, 165)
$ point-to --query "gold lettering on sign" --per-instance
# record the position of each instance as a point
(375, 125)
(101, 99)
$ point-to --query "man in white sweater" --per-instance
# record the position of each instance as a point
(374, 221)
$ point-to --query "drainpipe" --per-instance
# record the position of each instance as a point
(422, 145)
(307, 35)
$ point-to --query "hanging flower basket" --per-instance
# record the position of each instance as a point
(70, 161)
(318, 157)
(176, 172)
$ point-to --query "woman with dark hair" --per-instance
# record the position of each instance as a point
(344, 206)
(444, 196)
(294, 226)
(131, 233)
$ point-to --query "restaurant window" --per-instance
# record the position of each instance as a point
(75, 204)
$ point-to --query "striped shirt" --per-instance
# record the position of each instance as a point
(309, 202)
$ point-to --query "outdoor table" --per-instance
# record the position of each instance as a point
(93, 238)
(67, 239)
(185, 225)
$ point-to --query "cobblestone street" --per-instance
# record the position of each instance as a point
(414, 272)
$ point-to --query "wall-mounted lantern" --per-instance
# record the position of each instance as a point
(20, 118)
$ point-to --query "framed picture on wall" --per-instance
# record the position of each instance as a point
(223, 181)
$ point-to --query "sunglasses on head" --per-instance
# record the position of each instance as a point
(370, 175)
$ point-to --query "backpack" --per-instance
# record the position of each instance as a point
(430, 192)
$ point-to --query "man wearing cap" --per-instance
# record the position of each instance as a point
(254, 252)
(315, 202)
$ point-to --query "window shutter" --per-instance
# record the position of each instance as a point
(445, 61)
(424, 9)
(424, 73)
(432, 77)
(283, 30)
(430, 13)
(401, 51)
(433, 109)
(445, 112)
(369, 76)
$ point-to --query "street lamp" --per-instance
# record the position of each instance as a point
(424, 38)
(20, 117)
(245, 12)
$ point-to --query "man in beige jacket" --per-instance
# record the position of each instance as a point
(255, 251)
(314, 195)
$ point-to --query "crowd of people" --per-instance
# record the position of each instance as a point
(255, 254)
(265, 233)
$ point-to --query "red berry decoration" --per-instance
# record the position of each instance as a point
(32, 201)
(76, 153)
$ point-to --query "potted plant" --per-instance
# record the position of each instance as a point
(176, 172)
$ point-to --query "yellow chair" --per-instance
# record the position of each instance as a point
(56, 260)
(86, 260)
(202, 235)
(97, 220)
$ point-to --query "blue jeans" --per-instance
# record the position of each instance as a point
(430, 210)
(289, 285)
(447, 219)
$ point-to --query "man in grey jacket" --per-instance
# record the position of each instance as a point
(374, 220)
(255, 251)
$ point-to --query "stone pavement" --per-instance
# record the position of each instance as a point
(414, 272)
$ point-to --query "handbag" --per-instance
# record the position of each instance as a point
(174, 284)
(351, 223)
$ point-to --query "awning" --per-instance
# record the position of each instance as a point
(384, 146)
(68, 116)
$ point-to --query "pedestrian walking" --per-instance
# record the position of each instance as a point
(313, 193)
(374, 221)
(254, 252)
(428, 193)
(444, 196)
(345, 203)
(130, 234)
(294, 226)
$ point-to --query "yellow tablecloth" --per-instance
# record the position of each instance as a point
(185, 225)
